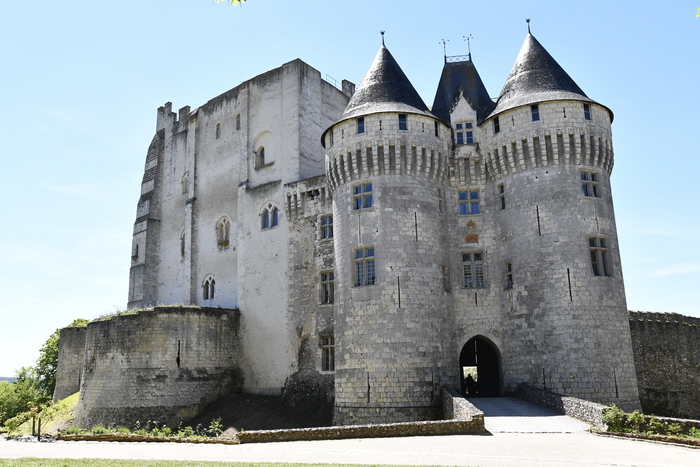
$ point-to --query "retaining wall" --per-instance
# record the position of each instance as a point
(164, 364)
(71, 356)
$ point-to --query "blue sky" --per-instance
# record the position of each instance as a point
(82, 80)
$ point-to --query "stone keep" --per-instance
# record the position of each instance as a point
(476, 236)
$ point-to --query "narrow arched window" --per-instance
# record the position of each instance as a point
(265, 223)
(275, 218)
(182, 243)
(223, 229)
(208, 288)
(260, 157)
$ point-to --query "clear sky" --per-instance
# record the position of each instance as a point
(81, 81)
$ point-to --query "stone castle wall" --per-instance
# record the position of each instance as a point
(162, 364)
(667, 359)
(71, 356)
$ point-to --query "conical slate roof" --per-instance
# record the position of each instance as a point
(537, 77)
(384, 88)
(456, 77)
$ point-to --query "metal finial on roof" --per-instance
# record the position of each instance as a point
(444, 48)
(382, 33)
(528, 25)
(469, 46)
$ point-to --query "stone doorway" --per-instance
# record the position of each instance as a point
(479, 369)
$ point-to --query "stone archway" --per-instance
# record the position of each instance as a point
(479, 368)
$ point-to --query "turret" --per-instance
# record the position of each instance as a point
(548, 151)
(387, 166)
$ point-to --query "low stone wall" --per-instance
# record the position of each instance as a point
(430, 428)
(162, 364)
(666, 349)
(586, 411)
(71, 358)
(456, 407)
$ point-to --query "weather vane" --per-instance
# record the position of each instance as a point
(382, 33)
(444, 48)
(469, 46)
(528, 25)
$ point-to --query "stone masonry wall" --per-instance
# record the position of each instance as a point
(162, 364)
(667, 359)
(71, 356)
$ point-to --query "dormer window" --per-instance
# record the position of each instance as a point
(360, 125)
(464, 131)
(403, 122)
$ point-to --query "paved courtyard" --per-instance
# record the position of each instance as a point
(520, 434)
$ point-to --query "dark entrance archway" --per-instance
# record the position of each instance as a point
(479, 368)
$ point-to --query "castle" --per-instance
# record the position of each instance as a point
(362, 241)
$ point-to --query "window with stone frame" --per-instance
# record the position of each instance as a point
(208, 288)
(464, 132)
(327, 288)
(599, 256)
(508, 275)
(535, 112)
(270, 217)
(326, 227)
(496, 125)
(360, 125)
(441, 200)
(327, 353)
(260, 157)
(365, 273)
(362, 197)
(469, 202)
(223, 230)
(589, 184)
(403, 122)
(502, 196)
(587, 111)
(473, 270)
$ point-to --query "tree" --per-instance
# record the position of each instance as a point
(233, 2)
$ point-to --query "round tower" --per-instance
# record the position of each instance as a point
(548, 152)
(386, 166)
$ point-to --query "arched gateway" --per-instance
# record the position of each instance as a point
(479, 368)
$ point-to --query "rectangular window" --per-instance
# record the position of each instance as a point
(473, 267)
(589, 184)
(441, 201)
(327, 353)
(464, 131)
(362, 198)
(327, 288)
(326, 227)
(509, 275)
(360, 125)
(535, 111)
(437, 130)
(599, 256)
(586, 111)
(496, 125)
(330, 138)
(403, 122)
(502, 196)
(364, 267)
(469, 202)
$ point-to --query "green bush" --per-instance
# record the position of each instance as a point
(72, 430)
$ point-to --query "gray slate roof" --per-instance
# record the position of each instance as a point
(463, 76)
(384, 88)
(537, 77)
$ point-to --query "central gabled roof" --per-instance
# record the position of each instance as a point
(537, 77)
(461, 76)
(385, 88)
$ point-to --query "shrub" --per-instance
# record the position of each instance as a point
(99, 430)
(215, 428)
(72, 430)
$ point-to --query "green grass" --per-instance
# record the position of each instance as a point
(32, 462)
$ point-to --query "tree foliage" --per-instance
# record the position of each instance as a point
(233, 2)
(47, 363)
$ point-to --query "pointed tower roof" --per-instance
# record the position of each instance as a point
(456, 76)
(385, 88)
(537, 77)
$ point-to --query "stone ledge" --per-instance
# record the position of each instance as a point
(580, 409)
